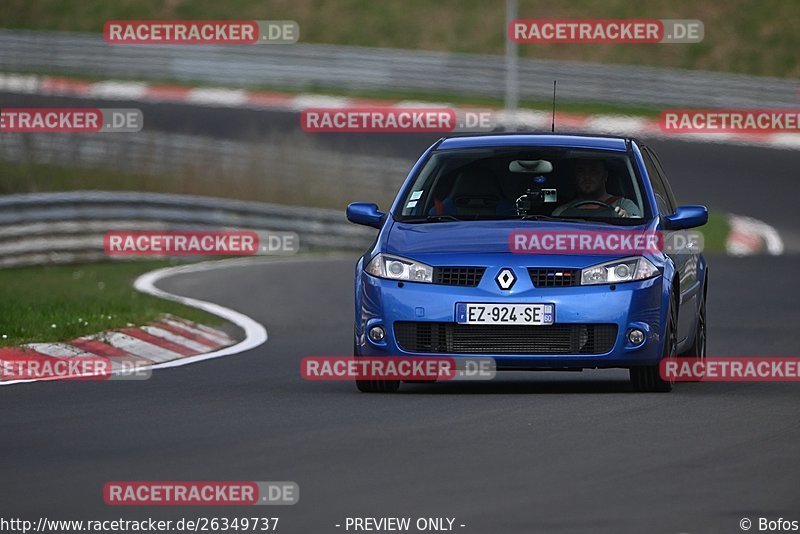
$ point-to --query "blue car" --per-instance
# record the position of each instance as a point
(443, 277)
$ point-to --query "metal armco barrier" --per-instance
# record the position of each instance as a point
(68, 227)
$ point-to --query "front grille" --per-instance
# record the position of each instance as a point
(554, 277)
(458, 276)
(453, 338)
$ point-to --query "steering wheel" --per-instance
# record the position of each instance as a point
(599, 203)
(576, 211)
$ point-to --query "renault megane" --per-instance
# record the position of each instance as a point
(443, 278)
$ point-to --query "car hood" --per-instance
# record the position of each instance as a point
(488, 237)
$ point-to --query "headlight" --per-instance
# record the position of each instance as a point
(612, 272)
(397, 268)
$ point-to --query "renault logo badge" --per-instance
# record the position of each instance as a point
(505, 279)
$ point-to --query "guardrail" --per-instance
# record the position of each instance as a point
(68, 227)
(306, 66)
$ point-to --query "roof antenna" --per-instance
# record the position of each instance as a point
(553, 125)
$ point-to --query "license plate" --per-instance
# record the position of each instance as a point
(508, 314)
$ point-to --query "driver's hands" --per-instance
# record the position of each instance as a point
(621, 212)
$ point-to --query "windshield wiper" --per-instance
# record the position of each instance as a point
(535, 217)
(532, 217)
(563, 219)
(432, 218)
(587, 219)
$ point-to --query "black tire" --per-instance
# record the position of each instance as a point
(374, 386)
(698, 348)
(378, 386)
(647, 378)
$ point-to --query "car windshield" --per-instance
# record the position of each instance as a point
(525, 183)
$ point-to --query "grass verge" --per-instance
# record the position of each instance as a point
(715, 232)
(60, 303)
(741, 36)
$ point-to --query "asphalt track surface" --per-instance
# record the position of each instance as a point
(527, 452)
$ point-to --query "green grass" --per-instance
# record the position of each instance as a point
(33, 178)
(744, 36)
(60, 303)
(715, 232)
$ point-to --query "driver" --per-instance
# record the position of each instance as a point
(591, 176)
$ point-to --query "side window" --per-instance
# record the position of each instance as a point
(660, 191)
(667, 186)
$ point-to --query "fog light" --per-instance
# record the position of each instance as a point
(635, 336)
(376, 334)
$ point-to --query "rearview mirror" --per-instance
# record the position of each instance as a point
(687, 217)
(365, 213)
(530, 166)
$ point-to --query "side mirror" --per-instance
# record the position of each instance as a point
(365, 213)
(687, 217)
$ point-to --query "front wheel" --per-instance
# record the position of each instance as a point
(378, 386)
(374, 386)
(647, 378)
(698, 348)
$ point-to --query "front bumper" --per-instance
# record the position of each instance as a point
(627, 305)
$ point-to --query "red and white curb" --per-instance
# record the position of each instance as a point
(168, 342)
(168, 339)
(243, 98)
(749, 236)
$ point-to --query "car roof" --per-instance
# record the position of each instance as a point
(516, 139)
